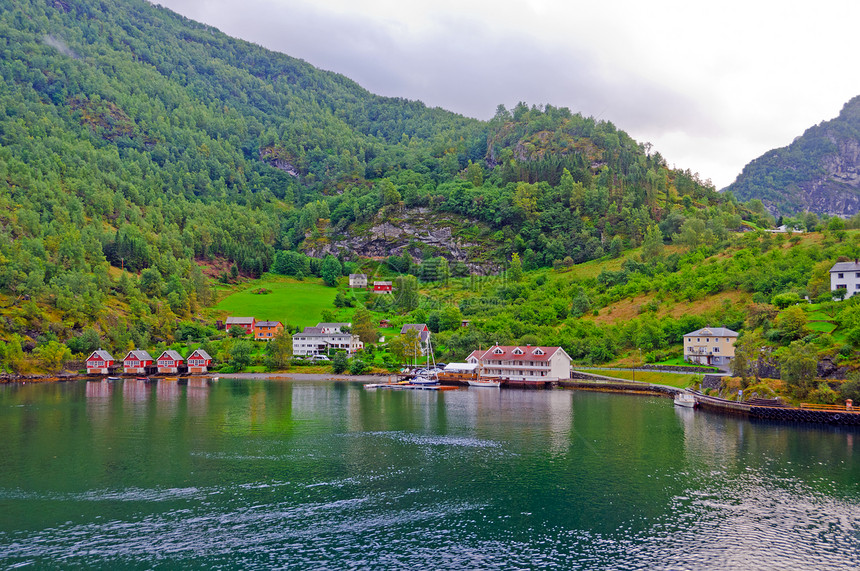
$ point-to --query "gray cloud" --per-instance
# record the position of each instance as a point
(464, 67)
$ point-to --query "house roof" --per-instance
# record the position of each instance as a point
(200, 353)
(172, 354)
(267, 323)
(138, 354)
(713, 332)
(101, 354)
(239, 320)
(845, 267)
(330, 325)
(421, 328)
(382, 283)
(520, 353)
(353, 276)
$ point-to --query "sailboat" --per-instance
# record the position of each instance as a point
(430, 376)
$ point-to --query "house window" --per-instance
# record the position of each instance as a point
(840, 276)
(518, 351)
(538, 352)
(716, 349)
(841, 286)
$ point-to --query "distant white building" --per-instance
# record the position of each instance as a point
(845, 275)
(357, 280)
(318, 340)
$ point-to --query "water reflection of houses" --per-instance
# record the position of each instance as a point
(134, 391)
(197, 394)
(167, 394)
(99, 389)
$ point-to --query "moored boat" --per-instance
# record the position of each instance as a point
(484, 383)
(685, 399)
(112, 379)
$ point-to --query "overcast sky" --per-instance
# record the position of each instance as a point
(711, 85)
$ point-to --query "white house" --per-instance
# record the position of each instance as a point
(522, 363)
(710, 346)
(845, 275)
(318, 340)
(357, 280)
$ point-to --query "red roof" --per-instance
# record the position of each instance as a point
(515, 352)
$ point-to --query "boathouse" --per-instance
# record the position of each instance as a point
(171, 362)
(199, 361)
(100, 362)
(138, 362)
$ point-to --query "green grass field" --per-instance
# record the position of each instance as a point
(821, 326)
(653, 377)
(291, 301)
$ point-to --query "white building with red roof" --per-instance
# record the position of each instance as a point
(522, 363)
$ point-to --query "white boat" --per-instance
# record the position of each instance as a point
(484, 383)
(685, 399)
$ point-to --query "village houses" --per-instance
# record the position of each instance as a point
(318, 340)
(710, 346)
(246, 323)
(522, 363)
(100, 362)
(846, 276)
(266, 330)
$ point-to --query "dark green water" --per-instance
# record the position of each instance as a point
(274, 474)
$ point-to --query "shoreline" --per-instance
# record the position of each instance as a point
(11, 379)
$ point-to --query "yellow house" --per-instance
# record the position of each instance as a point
(710, 346)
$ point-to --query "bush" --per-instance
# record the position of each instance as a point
(357, 367)
(340, 363)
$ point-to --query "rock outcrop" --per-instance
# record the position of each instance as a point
(415, 231)
(819, 172)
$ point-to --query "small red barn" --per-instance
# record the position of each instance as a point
(199, 361)
(100, 362)
(246, 323)
(383, 287)
(170, 362)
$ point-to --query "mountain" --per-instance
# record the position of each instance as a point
(142, 154)
(819, 172)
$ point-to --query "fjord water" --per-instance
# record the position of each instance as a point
(278, 474)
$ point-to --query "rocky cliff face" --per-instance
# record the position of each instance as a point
(819, 172)
(837, 190)
(418, 231)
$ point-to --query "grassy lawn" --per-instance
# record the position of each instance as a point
(821, 326)
(680, 381)
(291, 301)
(679, 362)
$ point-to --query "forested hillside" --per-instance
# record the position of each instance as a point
(143, 154)
(819, 172)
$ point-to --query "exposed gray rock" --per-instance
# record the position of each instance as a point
(412, 231)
